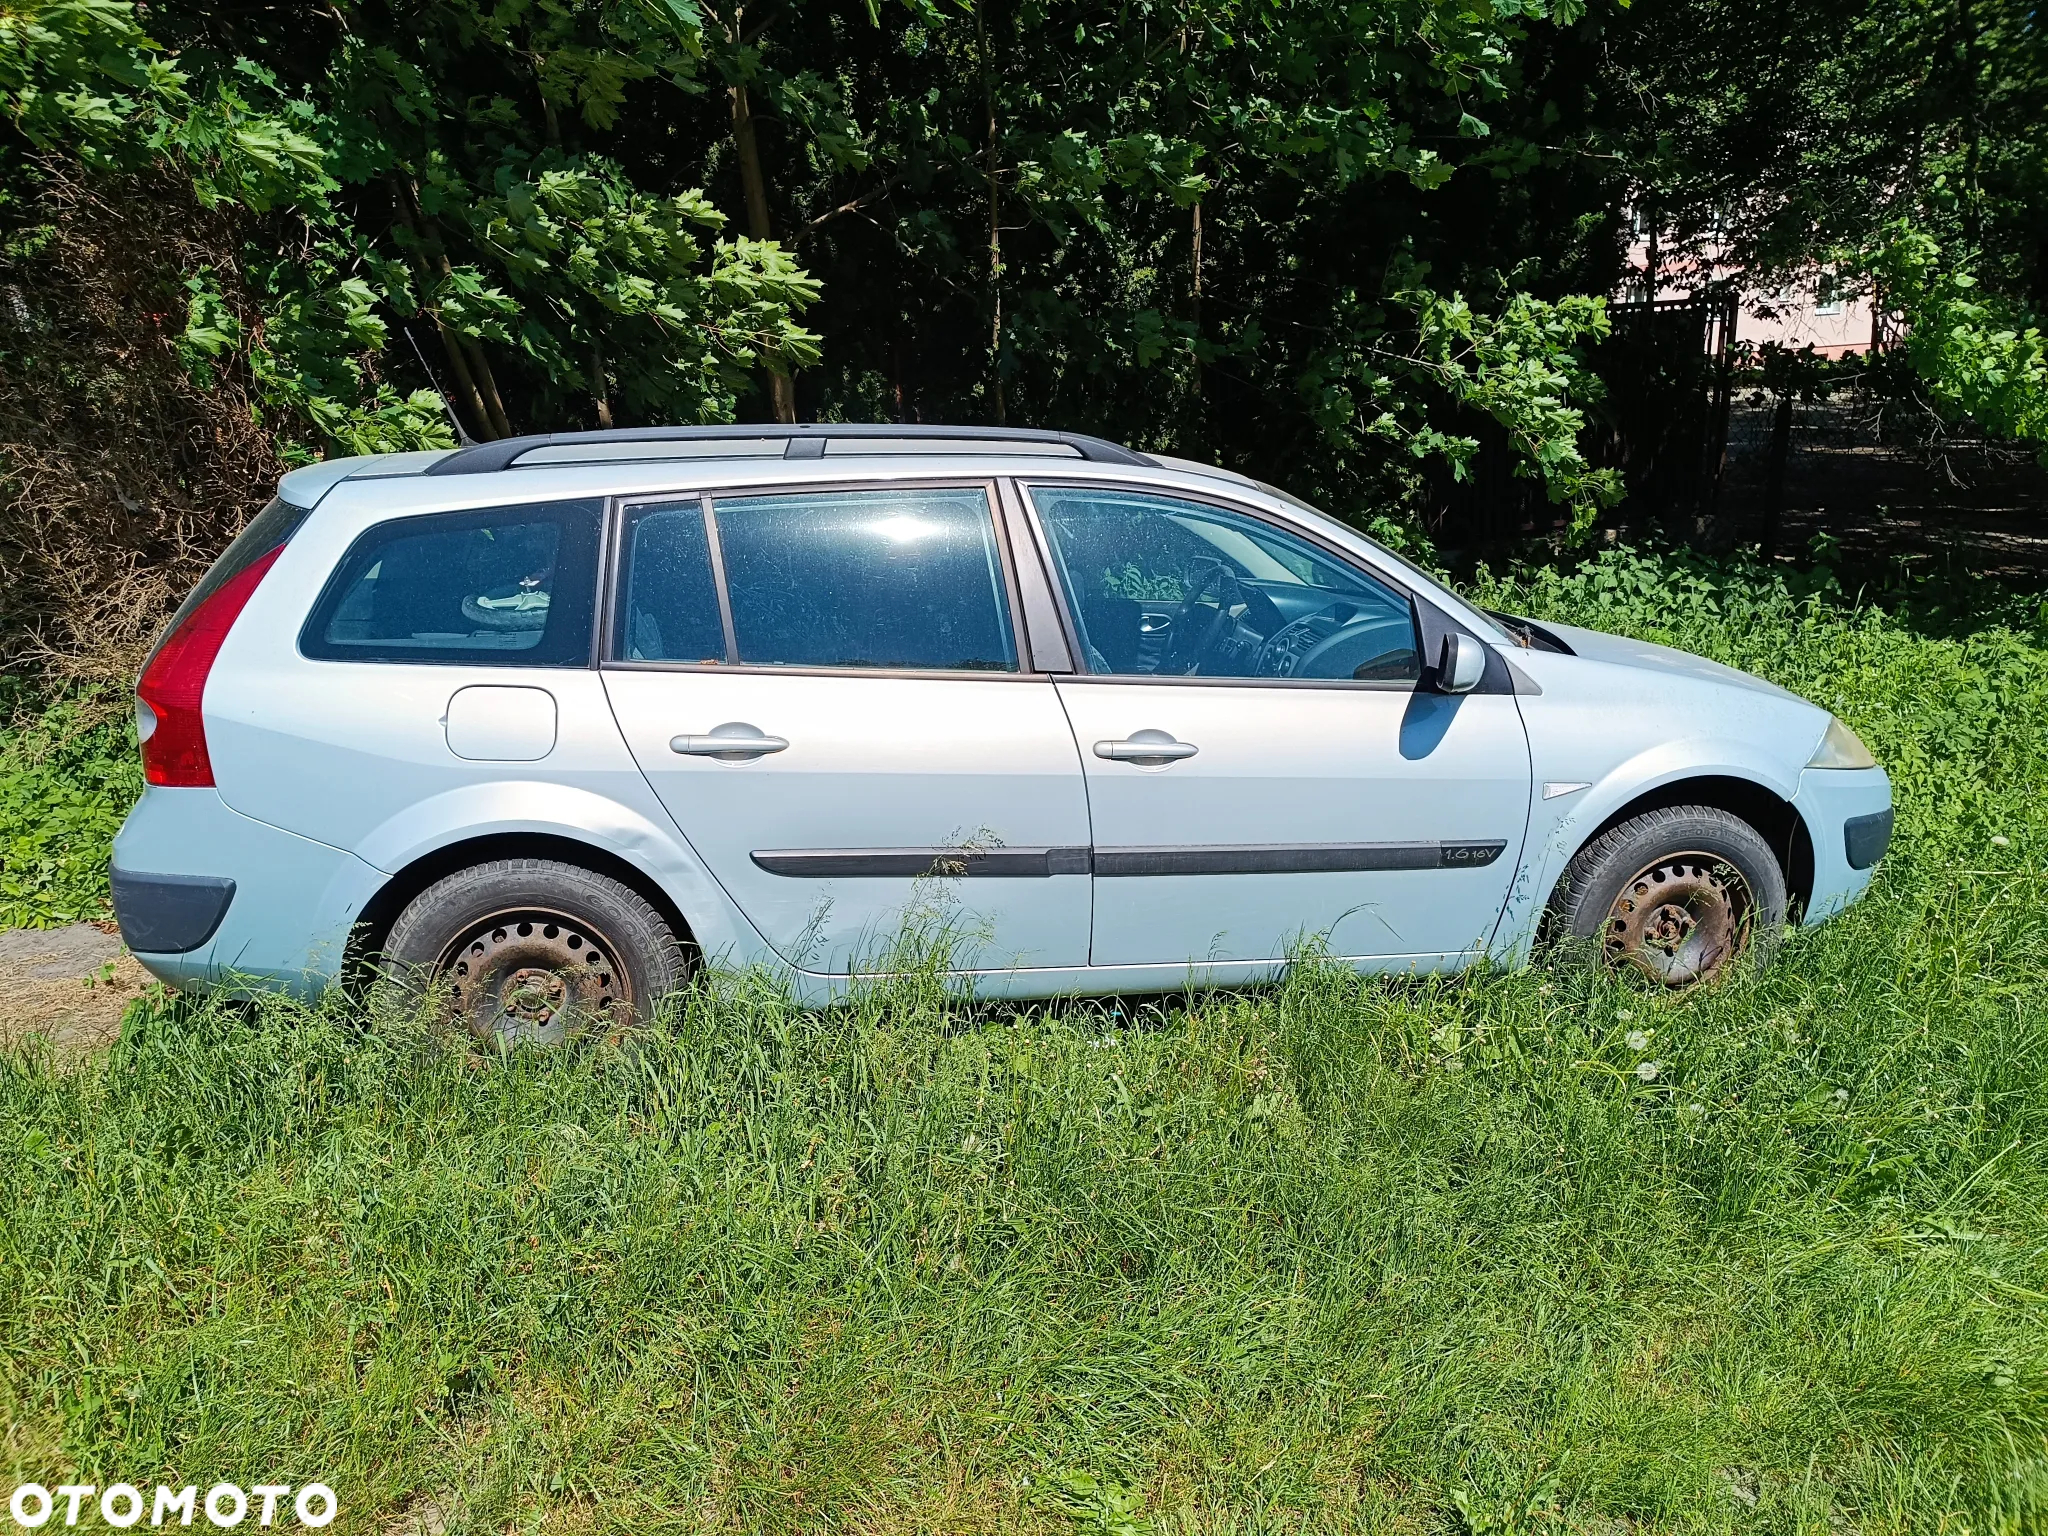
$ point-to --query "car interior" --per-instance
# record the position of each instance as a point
(1168, 588)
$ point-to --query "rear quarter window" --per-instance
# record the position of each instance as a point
(504, 586)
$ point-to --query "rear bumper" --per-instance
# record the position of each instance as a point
(1848, 813)
(169, 914)
(209, 898)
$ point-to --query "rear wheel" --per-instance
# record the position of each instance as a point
(1680, 895)
(535, 950)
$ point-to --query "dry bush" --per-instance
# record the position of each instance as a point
(120, 476)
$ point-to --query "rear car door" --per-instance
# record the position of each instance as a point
(1262, 768)
(824, 688)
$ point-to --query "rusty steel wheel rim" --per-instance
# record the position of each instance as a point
(1679, 920)
(537, 976)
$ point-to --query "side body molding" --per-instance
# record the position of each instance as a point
(1110, 863)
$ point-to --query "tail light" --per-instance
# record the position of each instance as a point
(167, 716)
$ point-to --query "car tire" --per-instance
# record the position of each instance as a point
(533, 950)
(1682, 895)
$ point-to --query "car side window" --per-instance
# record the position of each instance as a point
(1161, 587)
(896, 578)
(506, 586)
(669, 605)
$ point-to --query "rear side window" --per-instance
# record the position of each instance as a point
(670, 611)
(273, 526)
(899, 579)
(506, 586)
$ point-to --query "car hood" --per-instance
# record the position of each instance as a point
(1620, 651)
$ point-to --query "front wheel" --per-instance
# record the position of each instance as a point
(535, 950)
(1680, 895)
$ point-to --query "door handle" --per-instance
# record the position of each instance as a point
(1148, 749)
(733, 742)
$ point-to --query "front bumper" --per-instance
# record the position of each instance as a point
(208, 897)
(1848, 813)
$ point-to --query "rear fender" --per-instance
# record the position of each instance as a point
(510, 807)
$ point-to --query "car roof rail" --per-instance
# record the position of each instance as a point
(806, 440)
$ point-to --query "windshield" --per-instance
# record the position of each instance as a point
(1428, 580)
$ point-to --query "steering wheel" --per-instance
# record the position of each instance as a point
(1183, 655)
(1304, 648)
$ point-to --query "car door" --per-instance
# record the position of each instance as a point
(1262, 768)
(824, 688)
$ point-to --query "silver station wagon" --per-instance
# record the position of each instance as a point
(555, 720)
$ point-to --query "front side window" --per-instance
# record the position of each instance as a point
(1161, 587)
(898, 578)
(507, 586)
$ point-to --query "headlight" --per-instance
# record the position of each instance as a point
(1841, 748)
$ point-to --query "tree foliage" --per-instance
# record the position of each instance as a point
(1900, 146)
(1214, 228)
(1203, 226)
(377, 196)
(1980, 354)
(1338, 243)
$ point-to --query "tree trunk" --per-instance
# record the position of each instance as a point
(472, 370)
(1195, 319)
(754, 185)
(598, 391)
(995, 213)
(1774, 475)
(487, 386)
(467, 402)
(1973, 125)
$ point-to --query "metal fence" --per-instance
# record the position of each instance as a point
(1662, 420)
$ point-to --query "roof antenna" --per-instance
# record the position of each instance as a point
(454, 420)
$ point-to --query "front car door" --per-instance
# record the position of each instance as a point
(1262, 767)
(824, 688)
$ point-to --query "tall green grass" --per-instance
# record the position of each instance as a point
(1507, 1253)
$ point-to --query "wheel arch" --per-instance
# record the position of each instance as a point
(1775, 819)
(373, 923)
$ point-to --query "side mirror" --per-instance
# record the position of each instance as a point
(1460, 665)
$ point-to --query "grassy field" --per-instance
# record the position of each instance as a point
(1525, 1253)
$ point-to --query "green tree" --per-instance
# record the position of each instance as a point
(1259, 233)
(1206, 228)
(1896, 145)
(379, 190)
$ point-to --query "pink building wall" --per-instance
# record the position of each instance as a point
(1795, 318)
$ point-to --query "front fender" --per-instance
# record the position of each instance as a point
(1561, 826)
(557, 810)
